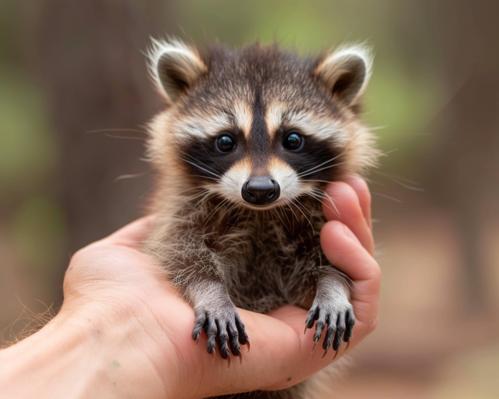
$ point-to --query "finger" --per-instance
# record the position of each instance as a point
(344, 250)
(281, 357)
(133, 234)
(362, 189)
(347, 209)
(295, 351)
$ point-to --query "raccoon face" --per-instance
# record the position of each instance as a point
(260, 127)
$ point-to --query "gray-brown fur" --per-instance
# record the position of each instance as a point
(219, 251)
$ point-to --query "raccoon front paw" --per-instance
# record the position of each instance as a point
(337, 318)
(223, 326)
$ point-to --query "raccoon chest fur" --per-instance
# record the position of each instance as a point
(272, 258)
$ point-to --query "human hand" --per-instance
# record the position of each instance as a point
(134, 328)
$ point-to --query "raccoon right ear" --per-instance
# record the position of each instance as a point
(175, 67)
(346, 72)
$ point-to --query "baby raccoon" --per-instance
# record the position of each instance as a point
(247, 142)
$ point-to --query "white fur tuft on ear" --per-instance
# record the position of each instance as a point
(174, 66)
(346, 71)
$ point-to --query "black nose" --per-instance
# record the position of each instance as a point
(260, 190)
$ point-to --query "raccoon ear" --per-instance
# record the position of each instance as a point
(174, 66)
(346, 72)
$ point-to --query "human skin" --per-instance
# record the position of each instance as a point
(124, 331)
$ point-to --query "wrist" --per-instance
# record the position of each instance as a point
(83, 353)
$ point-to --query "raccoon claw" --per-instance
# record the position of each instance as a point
(336, 320)
(224, 330)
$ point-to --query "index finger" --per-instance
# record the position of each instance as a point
(345, 206)
(362, 189)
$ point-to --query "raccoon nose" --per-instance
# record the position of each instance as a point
(260, 190)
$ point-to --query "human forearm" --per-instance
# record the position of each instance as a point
(80, 356)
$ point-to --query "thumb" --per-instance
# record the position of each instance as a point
(133, 234)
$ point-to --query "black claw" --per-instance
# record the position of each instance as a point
(198, 326)
(243, 337)
(224, 348)
(339, 332)
(210, 346)
(233, 340)
(224, 329)
(234, 347)
(350, 322)
(211, 331)
(328, 339)
(223, 338)
(318, 330)
(312, 316)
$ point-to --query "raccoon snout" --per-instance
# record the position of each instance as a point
(260, 190)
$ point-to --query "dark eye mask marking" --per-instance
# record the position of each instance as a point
(315, 160)
(203, 160)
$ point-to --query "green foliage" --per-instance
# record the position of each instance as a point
(27, 150)
(37, 227)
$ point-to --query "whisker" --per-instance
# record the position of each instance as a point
(201, 168)
(321, 169)
(403, 182)
(388, 197)
(298, 206)
(111, 130)
(318, 166)
(129, 176)
(114, 136)
(319, 181)
(322, 194)
(206, 177)
(288, 205)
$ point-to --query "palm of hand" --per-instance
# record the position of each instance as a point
(119, 282)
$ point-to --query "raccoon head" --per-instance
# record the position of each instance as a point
(259, 126)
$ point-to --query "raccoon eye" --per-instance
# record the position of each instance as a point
(293, 141)
(225, 143)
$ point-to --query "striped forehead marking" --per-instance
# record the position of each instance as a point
(243, 117)
(274, 117)
(259, 139)
(318, 126)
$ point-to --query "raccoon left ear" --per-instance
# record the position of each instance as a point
(175, 67)
(346, 72)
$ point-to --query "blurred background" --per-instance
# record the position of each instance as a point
(75, 97)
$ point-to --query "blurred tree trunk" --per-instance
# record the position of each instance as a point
(465, 162)
(90, 57)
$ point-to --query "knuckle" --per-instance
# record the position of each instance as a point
(342, 189)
